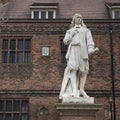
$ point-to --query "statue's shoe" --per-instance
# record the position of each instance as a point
(83, 93)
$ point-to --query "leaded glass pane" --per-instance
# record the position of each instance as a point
(36, 14)
(20, 57)
(27, 57)
(16, 105)
(1, 116)
(5, 44)
(13, 44)
(16, 117)
(27, 43)
(24, 106)
(4, 56)
(8, 117)
(20, 43)
(8, 105)
(43, 14)
(1, 105)
(12, 57)
(50, 14)
(24, 117)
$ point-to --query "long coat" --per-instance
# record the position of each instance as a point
(77, 55)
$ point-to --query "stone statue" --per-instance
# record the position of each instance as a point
(80, 44)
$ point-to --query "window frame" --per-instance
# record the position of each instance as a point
(112, 8)
(34, 14)
(21, 112)
(63, 49)
(113, 13)
(9, 58)
(45, 10)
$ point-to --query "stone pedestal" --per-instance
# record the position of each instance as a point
(77, 111)
(82, 100)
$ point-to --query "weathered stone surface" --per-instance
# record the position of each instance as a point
(77, 111)
(82, 100)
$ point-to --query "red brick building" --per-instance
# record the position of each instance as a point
(32, 56)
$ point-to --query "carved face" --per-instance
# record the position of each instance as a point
(78, 19)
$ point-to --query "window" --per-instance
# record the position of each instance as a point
(63, 50)
(16, 50)
(14, 109)
(44, 14)
(114, 10)
(116, 14)
(50, 14)
(36, 14)
(43, 10)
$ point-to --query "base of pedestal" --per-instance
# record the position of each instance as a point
(71, 111)
(81, 100)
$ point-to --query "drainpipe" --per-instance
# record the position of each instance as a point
(112, 72)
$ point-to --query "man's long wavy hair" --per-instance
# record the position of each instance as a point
(73, 20)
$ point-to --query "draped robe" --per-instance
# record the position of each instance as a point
(76, 56)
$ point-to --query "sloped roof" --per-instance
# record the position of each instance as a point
(113, 4)
(44, 4)
(90, 9)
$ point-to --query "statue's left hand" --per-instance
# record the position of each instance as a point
(92, 50)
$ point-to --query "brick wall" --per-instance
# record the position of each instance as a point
(41, 80)
(4, 1)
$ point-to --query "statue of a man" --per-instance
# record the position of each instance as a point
(80, 44)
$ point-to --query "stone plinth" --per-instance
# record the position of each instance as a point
(77, 111)
(82, 100)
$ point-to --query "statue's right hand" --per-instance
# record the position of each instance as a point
(74, 31)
